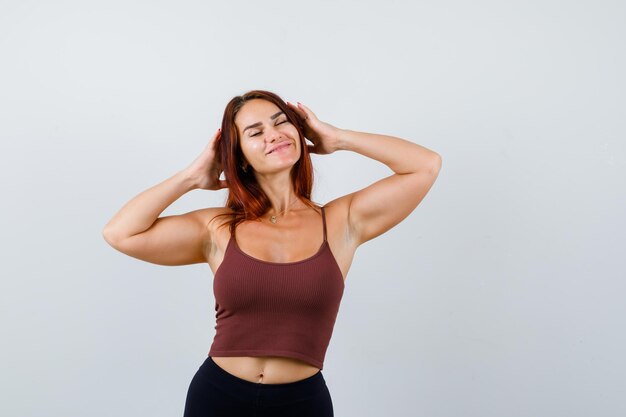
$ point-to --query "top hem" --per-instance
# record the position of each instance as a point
(279, 353)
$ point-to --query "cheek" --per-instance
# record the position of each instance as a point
(253, 147)
(293, 133)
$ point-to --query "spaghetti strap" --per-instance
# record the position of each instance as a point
(324, 222)
(232, 232)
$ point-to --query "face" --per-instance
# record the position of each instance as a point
(268, 140)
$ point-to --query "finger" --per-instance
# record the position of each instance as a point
(223, 184)
(305, 108)
(308, 114)
(215, 136)
(296, 109)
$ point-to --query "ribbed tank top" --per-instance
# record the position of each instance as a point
(276, 309)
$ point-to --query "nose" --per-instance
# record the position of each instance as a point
(272, 134)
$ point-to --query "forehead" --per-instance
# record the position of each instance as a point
(256, 110)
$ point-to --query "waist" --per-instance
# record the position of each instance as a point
(266, 369)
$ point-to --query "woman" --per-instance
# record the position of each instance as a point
(277, 288)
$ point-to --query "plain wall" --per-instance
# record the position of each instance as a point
(502, 294)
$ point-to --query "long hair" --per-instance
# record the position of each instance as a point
(246, 198)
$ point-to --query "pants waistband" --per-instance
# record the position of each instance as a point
(244, 389)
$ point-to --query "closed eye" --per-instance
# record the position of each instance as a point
(284, 121)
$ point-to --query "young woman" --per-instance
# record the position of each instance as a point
(279, 260)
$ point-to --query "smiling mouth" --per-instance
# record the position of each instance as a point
(279, 148)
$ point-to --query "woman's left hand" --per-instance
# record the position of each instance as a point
(325, 137)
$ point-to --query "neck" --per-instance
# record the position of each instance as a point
(282, 206)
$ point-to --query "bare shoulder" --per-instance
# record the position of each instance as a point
(212, 217)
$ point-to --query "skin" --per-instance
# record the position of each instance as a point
(352, 219)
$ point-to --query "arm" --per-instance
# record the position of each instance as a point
(385, 203)
(138, 231)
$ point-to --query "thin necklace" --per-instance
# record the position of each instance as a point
(273, 219)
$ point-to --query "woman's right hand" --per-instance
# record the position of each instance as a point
(205, 170)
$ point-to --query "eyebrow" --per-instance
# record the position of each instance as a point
(275, 115)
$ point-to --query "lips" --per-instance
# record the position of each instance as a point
(279, 146)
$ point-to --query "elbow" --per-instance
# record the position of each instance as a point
(109, 236)
(435, 164)
(106, 235)
(438, 162)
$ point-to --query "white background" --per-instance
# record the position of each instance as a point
(502, 294)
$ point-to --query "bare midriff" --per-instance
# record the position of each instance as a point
(266, 369)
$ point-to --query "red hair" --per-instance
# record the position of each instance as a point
(246, 198)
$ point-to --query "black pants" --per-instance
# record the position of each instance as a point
(213, 392)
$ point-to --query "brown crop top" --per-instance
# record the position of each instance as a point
(276, 309)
